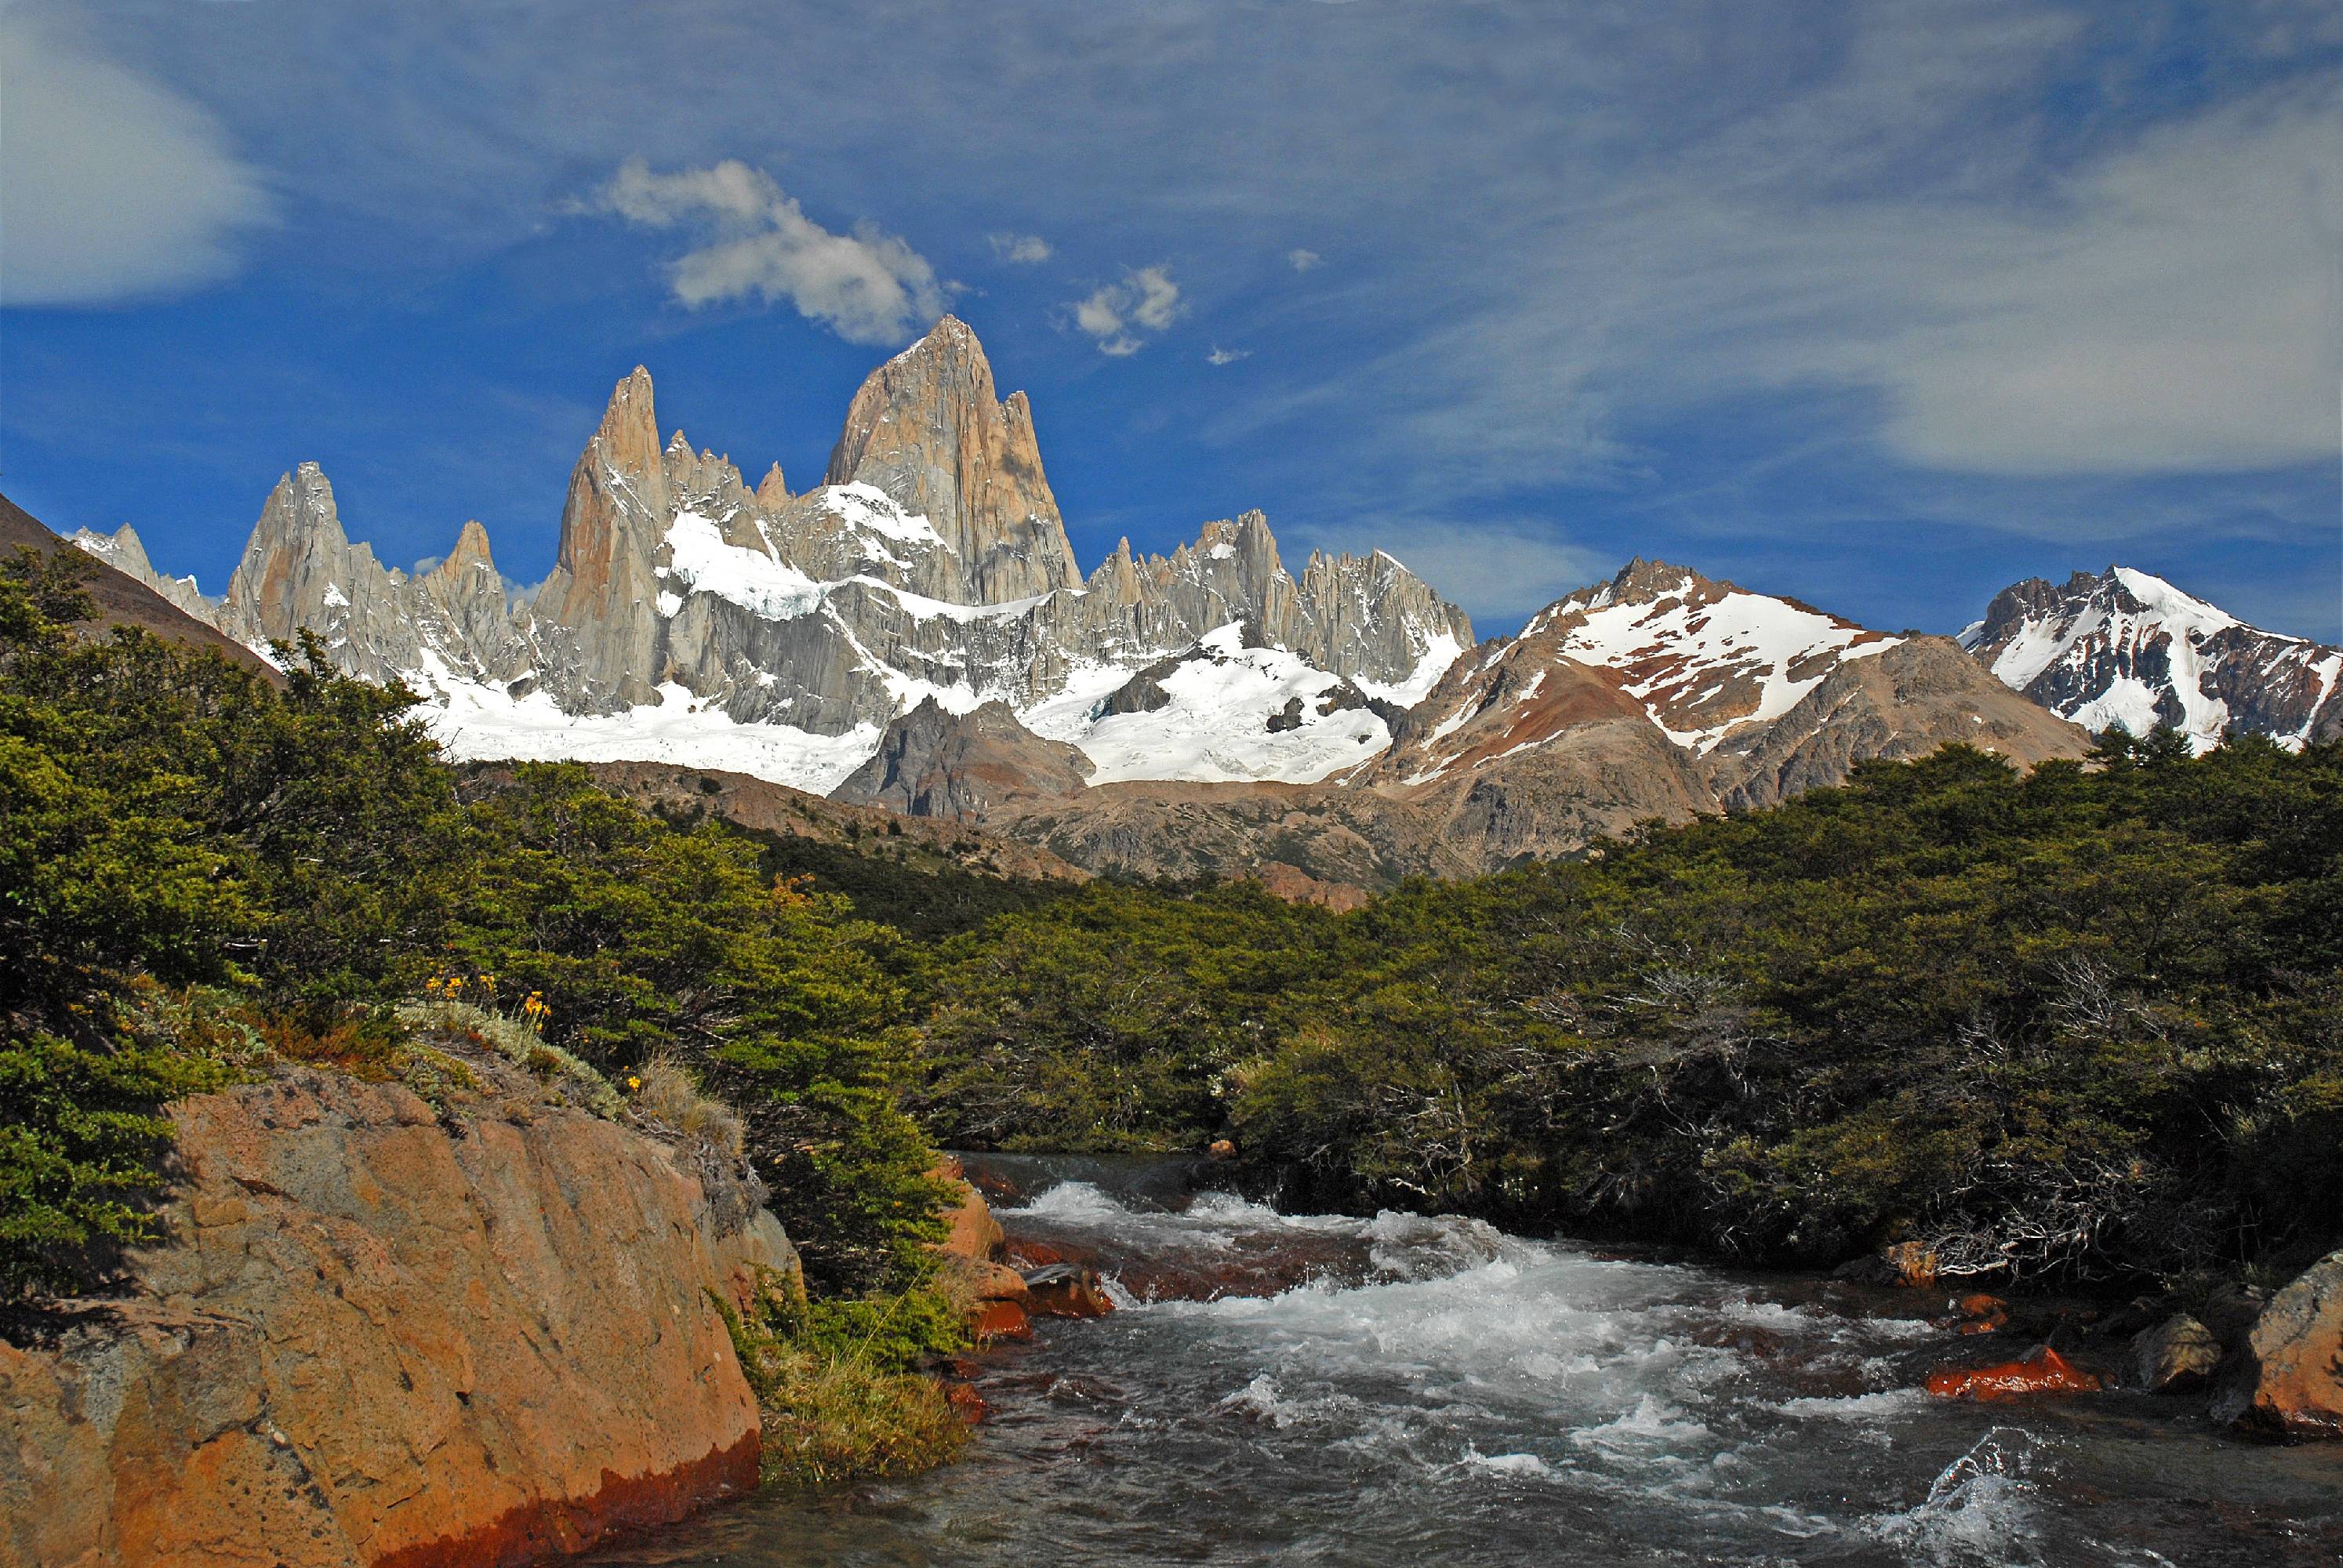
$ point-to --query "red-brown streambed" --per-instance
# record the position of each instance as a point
(1402, 1391)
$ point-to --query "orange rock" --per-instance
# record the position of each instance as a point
(973, 1233)
(1035, 1254)
(1001, 1321)
(1222, 1149)
(1911, 1264)
(2292, 1381)
(967, 1403)
(369, 1341)
(2044, 1372)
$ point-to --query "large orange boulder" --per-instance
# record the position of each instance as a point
(372, 1341)
(2292, 1382)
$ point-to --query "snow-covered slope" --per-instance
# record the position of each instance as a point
(1219, 712)
(2124, 649)
(1701, 657)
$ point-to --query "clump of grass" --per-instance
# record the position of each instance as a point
(668, 1093)
(834, 1379)
(567, 1079)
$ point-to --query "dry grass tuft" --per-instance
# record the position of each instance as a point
(668, 1093)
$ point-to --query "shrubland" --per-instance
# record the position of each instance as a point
(2085, 1023)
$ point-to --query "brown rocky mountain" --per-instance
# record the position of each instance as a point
(1660, 694)
(963, 766)
(120, 598)
(2124, 649)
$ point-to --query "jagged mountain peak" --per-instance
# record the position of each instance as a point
(470, 554)
(2127, 650)
(926, 428)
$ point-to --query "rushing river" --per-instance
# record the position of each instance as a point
(1405, 1391)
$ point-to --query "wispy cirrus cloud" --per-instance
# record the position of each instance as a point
(867, 285)
(117, 187)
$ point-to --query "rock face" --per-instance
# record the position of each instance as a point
(962, 767)
(926, 431)
(372, 1341)
(2122, 649)
(2291, 1384)
(300, 571)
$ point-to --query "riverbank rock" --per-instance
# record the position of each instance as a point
(2291, 1384)
(375, 1340)
(971, 1259)
(2175, 1356)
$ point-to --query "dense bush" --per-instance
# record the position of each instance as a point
(2087, 1021)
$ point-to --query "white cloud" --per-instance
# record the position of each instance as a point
(1220, 355)
(113, 187)
(1115, 313)
(1304, 260)
(869, 287)
(1024, 249)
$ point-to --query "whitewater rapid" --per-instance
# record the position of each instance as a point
(1317, 1389)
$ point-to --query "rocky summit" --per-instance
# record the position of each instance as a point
(914, 632)
(2122, 649)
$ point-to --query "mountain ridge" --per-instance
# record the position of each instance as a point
(915, 632)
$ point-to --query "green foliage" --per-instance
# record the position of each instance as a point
(2085, 1021)
(302, 851)
(1108, 1019)
(838, 1383)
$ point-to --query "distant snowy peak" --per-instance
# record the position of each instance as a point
(1701, 657)
(2126, 650)
(931, 567)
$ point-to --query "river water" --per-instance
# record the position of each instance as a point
(1403, 1390)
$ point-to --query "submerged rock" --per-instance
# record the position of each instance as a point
(2044, 1372)
(2291, 1384)
(1067, 1290)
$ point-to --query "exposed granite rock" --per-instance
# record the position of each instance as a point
(372, 1340)
(127, 553)
(925, 429)
(2292, 1381)
(963, 765)
(300, 571)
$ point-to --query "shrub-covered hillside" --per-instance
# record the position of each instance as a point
(2088, 1021)
(201, 871)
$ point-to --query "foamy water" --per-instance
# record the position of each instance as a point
(1403, 1390)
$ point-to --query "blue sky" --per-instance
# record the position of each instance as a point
(1881, 306)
